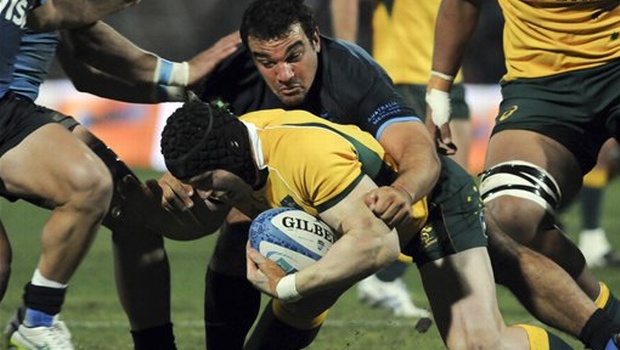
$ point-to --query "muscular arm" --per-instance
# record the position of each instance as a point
(366, 245)
(345, 19)
(103, 51)
(102, 47)
(412, 148)
(88, 79)
(455, 24)
(57, 14)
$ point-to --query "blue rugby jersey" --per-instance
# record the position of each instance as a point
(12, 23)
(350, 88)
(33, 61)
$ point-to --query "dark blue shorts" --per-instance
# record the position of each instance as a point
(19, 117)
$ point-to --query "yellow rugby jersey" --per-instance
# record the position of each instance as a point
(403, 34)
(546, 37)
(314, 163)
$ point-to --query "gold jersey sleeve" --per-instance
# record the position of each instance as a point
(314, 163)
(403, 35)
(546, 37)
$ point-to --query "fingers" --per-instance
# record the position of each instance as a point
(389, 204)
(205, 62)
(175, 194)
(445, 144)
(251, 265)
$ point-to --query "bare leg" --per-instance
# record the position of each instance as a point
(70, 176)
(461, 291)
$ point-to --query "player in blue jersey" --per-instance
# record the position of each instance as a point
(77, 185)
(67, 176)
(296, 68)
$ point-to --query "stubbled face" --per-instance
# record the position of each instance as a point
(222, 186)
(289, 64)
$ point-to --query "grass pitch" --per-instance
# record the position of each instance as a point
(94, 315)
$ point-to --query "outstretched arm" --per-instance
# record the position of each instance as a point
(101, 54)
(58, 14)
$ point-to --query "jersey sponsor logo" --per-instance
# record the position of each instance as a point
(507, 113)
(14, 11)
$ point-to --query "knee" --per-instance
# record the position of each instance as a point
(90, 187)
(512, 217)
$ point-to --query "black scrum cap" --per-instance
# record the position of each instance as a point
(203, 136)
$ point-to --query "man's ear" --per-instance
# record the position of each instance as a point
(316, 41)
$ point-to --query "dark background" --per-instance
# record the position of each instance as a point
(178, 29)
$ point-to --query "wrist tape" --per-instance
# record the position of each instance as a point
(171, 73)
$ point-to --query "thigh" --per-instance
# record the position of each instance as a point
(47, 163)
(540, 150)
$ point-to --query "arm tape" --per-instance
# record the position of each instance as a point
(171, 73)
(441, 75)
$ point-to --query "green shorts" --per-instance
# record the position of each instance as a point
(415, 95)
(455, 222)
(579, 109)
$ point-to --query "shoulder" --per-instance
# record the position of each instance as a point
(345, 58)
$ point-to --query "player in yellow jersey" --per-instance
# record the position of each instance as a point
(402, 43)
(560, 105)
(275, 158)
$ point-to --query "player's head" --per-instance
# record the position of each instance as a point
(204, 137)
(283, 39)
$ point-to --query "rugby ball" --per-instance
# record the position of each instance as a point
(292, 238)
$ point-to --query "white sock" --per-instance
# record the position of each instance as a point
(39, 280)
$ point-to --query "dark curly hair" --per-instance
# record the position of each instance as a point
(203, 136)
(272, 19)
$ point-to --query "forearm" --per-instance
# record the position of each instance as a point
(366, 245)
(58, 14)
(345, 19)
(455, 24)
(354, 256)
(103, 48)
(414, 152)
(88, 79)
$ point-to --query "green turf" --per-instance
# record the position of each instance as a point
(96, 320)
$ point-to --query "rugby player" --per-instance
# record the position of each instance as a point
(275, 158)
(559, 106)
